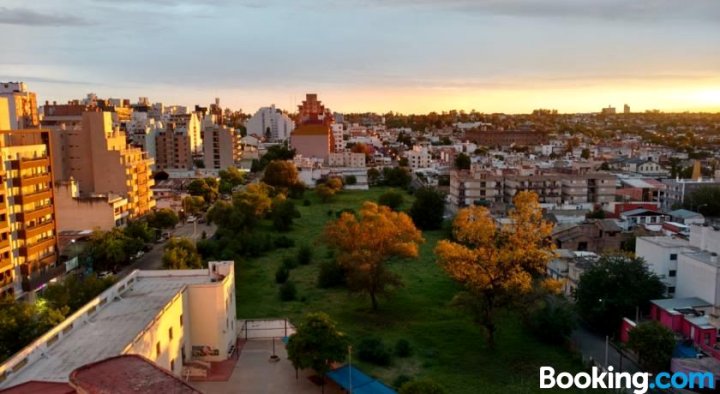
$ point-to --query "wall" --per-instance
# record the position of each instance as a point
(81, 214)
(4, 114)
(696, 279)
(658, 259)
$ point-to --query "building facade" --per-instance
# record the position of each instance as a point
(271, 123)
(507, 138)
(99, 212)
(222, 147)
(22, 105)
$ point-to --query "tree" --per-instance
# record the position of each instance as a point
(207, 188)
(22, 322)
(497, 265)
(654, 345)
(705, 199)
(613, 288)
(181, 253)
(421, 387)
(109, 249)
(373, 176)
(325, 192)
(404, 162)
(551, 318)
(364, 244)
(162, 218)
(392, 199)
(428, 208)
(281, 174)
(605, 166)
(253, 203)
(74, 292)
(462, 162)
(193, 205)
(585, 154)
(335, 183)
(396, 177)
(282, 213)
(350, 180)
(317, 344)
(138, 229)
(230, 178)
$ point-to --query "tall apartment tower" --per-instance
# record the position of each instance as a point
(28, 242)
(222, 146)
(22, 105)
(89, 150)
(626, 109)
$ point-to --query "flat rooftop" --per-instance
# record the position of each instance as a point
(669, 242)
(703, 256)
(110, 329)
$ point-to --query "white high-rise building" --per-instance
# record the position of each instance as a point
(271, 123)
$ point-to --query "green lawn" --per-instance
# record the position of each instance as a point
(447, 346)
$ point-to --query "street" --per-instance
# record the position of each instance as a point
(152, 260)
(593, 346)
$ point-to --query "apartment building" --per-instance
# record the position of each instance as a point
(75, 212)
(418, 157)
(22, 105)
(180, 320)
(173, 148)
(88, 149)
(506, 138)
(346, 159)
(28, 242)
(187, 124)
(222, 147)
(271, 123)
(471, 187)
(313, 136)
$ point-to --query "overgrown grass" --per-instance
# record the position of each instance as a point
(446, 345)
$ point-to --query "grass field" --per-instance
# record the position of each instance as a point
(447, 346)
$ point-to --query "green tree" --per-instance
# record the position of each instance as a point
(335, 183)
(396, 177)
(207, 188)
(373, 176)
(317, 344)
(74, 292)
(551, 318)
(230, 178)
(162, 218)
(138, 229)
(282, 213)
(281, 174)
(325, 192)
(110, 249)
(181, 253)
(585, 154)
(193, 205)
(705, 199)
(654, 345)
(428, 208)
(462, 162)
(613, 288)
(23, 322)
(392, 199)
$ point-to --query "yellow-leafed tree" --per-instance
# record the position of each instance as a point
(497, 264)
(366, 242)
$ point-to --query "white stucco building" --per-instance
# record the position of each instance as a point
(270, 119)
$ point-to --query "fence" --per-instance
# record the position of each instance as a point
(264, 328)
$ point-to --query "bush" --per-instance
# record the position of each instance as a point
(402, 348)
(400, 381)
(348, 210)
(289, 262)
(350, 180)
(304, 255)
(552, 320)
(373, 350)
(288, 292)
(392, 199)
(282, 274)
(331, 275)
(284, 242)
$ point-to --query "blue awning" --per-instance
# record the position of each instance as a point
(361, 383)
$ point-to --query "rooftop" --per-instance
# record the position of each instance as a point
(669, 242)
(703, 256)
(311, 129)
(673, 304)
(685, 214)
(114, 325)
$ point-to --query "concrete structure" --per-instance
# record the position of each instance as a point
(678, 189)
(270, 123)
(593, 235)
(173, 149)
(338, 131)
(178, 319)
(661, 255)
(418, 157)
(98, 212)
(642, 217)
(222, 147)
(28, 237)
(22, 105)
(188, 124)
(609, 110)
(347, 159)
(96, 155)
(313, 137)
(686, 217)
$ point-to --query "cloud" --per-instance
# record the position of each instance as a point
(27, 17)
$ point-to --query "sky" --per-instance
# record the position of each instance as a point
(409, 56)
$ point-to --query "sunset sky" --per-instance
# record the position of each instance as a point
(371, 55)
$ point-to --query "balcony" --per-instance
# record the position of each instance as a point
(37, 247)
(5, 264)
(4, 244)
(34, 197)
(38, 229)
(35, 213)
(35, 179)
(30, 163)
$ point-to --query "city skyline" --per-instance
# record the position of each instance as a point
(367, 55)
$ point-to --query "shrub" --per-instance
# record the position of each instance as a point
(373, 350)
(331, 275)
(401, 380)
(288, 292)
(348, 210)
(282, 274)
(284, 242)
(402, 348)
(289, 263)
(392, 199)
(304, 255)
(350, 180)
(551, 320)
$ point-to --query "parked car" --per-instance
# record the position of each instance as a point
(191, 219)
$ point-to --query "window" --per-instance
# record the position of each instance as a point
(673, 257)
(672, 273)
(157, 348)
(172, 365)
(181, 320)
(671, 290)
(170, 333)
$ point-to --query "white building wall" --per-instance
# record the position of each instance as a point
(661, 260)
(705, 238)
(270, 117)
(696, 278)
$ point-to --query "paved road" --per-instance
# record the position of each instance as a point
(592, 345)
(152, 260)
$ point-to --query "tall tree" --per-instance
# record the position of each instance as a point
(281, 174)
(317, 344)
(654, 345)
(366, 242)
(181, 253)
(282, 213)
(162, 218)
(613, 288)
(428, 208)
(207, 188)
(462, 162)
(705, 199)
(497, 265)
(230, 178)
